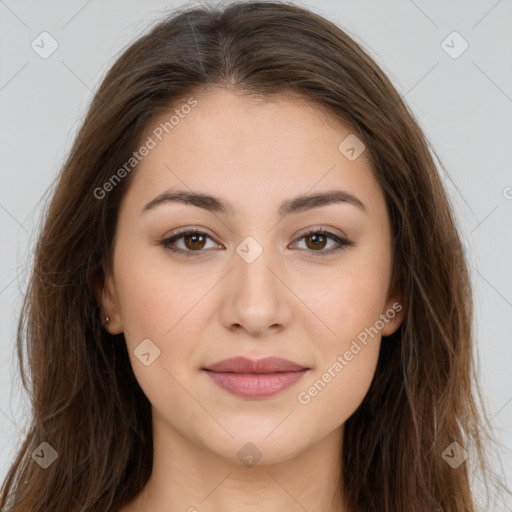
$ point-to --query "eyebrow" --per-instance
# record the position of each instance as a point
(218, 205)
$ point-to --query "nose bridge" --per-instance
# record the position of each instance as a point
(255, 297)
(253, 264)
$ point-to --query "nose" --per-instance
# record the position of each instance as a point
(256, 298)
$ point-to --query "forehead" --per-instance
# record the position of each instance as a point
(228, 119)
(250, 149)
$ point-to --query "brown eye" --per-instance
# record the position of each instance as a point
(318, 241)
(194, 241)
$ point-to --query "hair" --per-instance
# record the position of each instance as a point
(86, 401)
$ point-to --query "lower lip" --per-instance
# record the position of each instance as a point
(256, 385)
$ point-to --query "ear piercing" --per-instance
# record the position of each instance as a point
(107, 319)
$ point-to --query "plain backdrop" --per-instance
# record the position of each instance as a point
(462, 100)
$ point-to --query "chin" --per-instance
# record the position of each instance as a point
(253, 447)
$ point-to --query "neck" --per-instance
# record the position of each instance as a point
(193, 478)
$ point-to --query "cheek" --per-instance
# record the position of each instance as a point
(346, 359)
(160, 304)
(156, 297)
(156, 304)
(336, 391)
(345, 301)
(350, 302)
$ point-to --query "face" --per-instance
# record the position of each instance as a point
(261, 275)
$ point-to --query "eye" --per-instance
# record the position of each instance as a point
(195, 240)
(316, 239)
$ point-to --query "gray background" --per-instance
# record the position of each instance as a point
(464, 105)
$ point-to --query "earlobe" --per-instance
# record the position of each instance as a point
(107, 299)
(394, 309)
(392, 316)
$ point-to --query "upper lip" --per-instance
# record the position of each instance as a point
(245, 365)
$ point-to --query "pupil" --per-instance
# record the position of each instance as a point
(317, 238)
(194, 242)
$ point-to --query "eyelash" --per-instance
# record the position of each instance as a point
(166, 243)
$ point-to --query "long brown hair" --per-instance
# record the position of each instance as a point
(86, 402)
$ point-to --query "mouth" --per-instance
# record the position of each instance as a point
(255, 379)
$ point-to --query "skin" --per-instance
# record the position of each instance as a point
(289, 302)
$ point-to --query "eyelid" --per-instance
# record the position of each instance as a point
(189, 230)
(322, 229)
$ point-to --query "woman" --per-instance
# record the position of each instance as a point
(249, 288)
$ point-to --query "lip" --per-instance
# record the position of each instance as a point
(242, 364)
(254, 379)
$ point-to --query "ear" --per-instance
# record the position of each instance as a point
(106, 296)
(394, 310)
